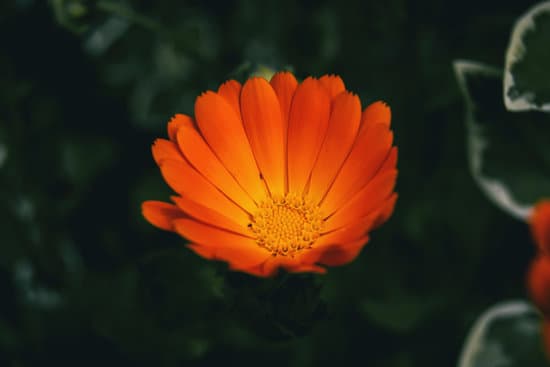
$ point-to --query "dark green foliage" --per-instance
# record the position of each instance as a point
(87, 86)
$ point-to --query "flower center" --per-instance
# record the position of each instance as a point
(286, 225)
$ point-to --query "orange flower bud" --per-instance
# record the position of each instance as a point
(538, 282)
(540, 225)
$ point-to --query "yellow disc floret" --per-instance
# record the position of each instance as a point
(286, 225)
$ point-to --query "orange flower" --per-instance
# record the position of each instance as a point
(538, 283)
(540, 225)
(277, 174)
(538, 276)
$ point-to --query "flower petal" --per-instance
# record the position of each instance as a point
(307, 268)
(231, 91)
(176, 122)
(200, 155)
(210, 216)
(391, 160)
(334, 84)
(161, 214)
(538, 281)
(213, 253)
(350, 232)
(203, 251)
(165, 149)
(256, 270)
(284, 84)
(370, 198)
(365, 159)
(339, 237)
(342, 132)
(343, 254)
(223, 131)
(540, 225)
(308, 123)
(376, 113)
(386, 211)
(223, 245)
(264, 126)
(184, 180)
(291, 265)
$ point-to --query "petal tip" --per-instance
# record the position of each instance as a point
(160, 214)
(283, 73)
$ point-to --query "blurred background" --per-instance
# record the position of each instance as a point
(85, 88)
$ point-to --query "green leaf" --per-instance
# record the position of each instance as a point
(71, 14)
(506, 335)
(508, 153)
(527, 75)
(84, 157)
(402, 312)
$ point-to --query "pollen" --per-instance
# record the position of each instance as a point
(286, 225)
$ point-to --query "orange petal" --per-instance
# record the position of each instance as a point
(261, 270)
(210, 216)
(263, 123)
(256, 270)
(391, 160)
(183, 179)
(334, 84)
(292, 265)
(274, 263)
(538, 282)
(386, 211)
(343, 254)
(342, 132)
(307, 268)
(271, 266)
(347, 233)
(176, 122)
(339, 237)
(308, 123)
(161, 214)
(376, 113)
(231, 91)
(223, 131)
(540, 225)
(223, 245)
(200, 155)
(212, 253)
(203, 251)
(365, 159)
(284, 84)
(165, 149)
(370, 198)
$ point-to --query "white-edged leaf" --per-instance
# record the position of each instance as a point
(527, 73)
(508, 334)
(508, 153)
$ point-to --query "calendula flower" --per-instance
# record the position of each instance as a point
(277, 174)
(538, 281)
(540, 225)
(538, 276)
